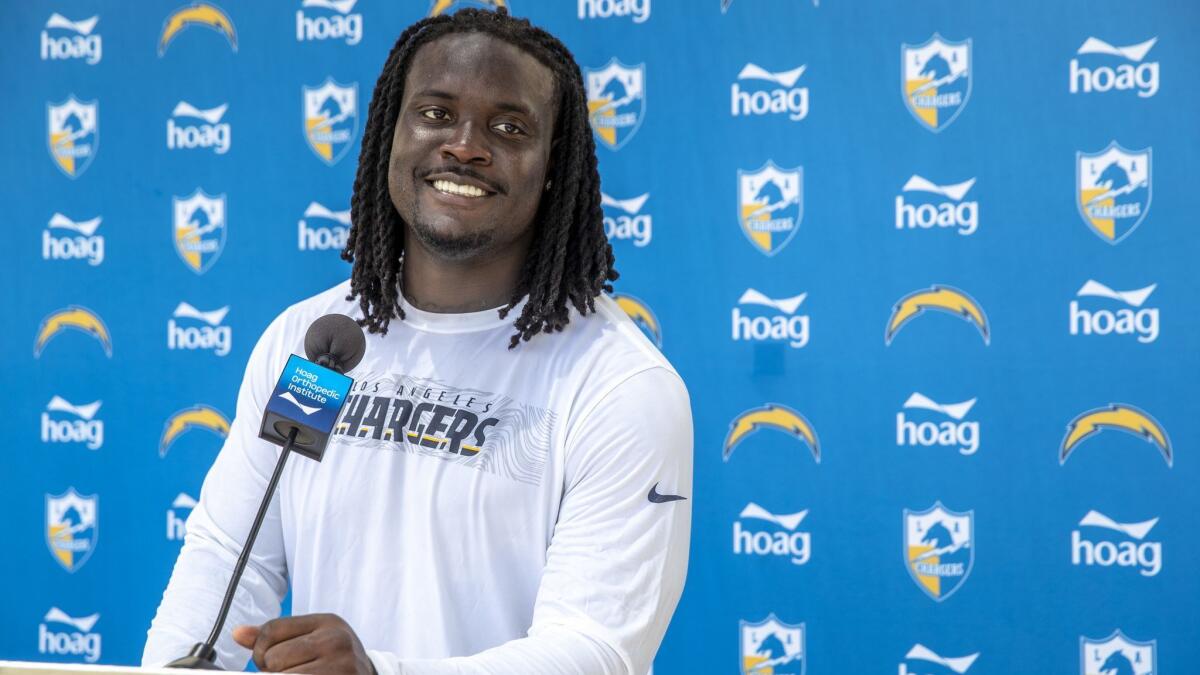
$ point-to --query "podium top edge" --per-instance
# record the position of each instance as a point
(34, 668)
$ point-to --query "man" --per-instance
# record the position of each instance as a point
(493, 502)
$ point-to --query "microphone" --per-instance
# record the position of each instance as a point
(299, 417)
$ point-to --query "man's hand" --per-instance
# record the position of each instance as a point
(318, 644)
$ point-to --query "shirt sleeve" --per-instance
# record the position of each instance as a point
(618, 557)
(218, 527)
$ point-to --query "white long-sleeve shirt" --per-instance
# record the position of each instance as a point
(478, 510)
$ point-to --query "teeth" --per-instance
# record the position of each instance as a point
(456, 189)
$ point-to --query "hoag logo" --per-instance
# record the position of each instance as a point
(1114, 68)
(1118, 654)
(616, 102)
(337, 23)
(85, 244)
(624, 220)
(927, 211)
(207, 131)
(63, 39)
(639, 10)
(761, 99)
(61, 634)
(920, 659)
(177, 518)
(205, 331)
(784, 326)
(954, 433)
(1112, 543)
(1133, 319)
(65, 422)
(752, 538)
(331, 236)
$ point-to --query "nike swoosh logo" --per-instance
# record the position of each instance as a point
(656, 498)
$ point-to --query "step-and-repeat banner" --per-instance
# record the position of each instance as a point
(928, 269)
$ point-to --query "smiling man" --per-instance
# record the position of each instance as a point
(501, 496)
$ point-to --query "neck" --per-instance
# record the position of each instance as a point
(436, 284)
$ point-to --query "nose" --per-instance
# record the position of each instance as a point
(466, 145)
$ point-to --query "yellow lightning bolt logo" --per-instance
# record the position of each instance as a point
(73, 318)
(1116, 416)
(196, 417)
(440, 6)
(941, 298)
(641, 315)
(197, 14)
(771, 416)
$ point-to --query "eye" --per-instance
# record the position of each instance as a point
(435, 114)
(508, 128)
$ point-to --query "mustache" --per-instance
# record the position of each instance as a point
(464, 171)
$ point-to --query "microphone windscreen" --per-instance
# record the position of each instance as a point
(336, 338)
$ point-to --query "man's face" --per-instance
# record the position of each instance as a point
(471, 146)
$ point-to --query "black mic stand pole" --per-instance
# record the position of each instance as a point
(204, 655)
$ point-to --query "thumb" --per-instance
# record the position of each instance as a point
(246, 636)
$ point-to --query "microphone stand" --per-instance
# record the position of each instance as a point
(204, 654)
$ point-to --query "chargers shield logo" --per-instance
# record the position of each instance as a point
(199, 230)
(770, 205)
(1117, 655)
(935, 78)
(331, 119)
(72, 527)
(939, 549)
(1113, 190)
(616, 102)
(772, 647)
(73, 135)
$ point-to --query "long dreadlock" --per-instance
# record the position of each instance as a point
(570, 258)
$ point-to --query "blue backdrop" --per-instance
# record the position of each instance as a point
(923, 266)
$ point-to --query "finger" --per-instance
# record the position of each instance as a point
(313, 667)
(297, 651)
(245, 635)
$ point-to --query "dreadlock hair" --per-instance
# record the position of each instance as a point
(569, 259)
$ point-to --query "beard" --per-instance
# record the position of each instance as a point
(446, 245)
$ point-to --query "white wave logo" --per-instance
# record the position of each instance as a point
(786, 305)
(1133, 298)
(212, 318)
(788, 522)
(787, 98)
(83, 623)
(1131, 52)
(956, 192)
(87, 412)
(83, 227)
(1134, 75)
(955, 410)
(920, 652)
(184, 501)
(212, 115)
(632, 205)
(339, 6)
(306, 409)
(83, 27)
(1136, 530)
